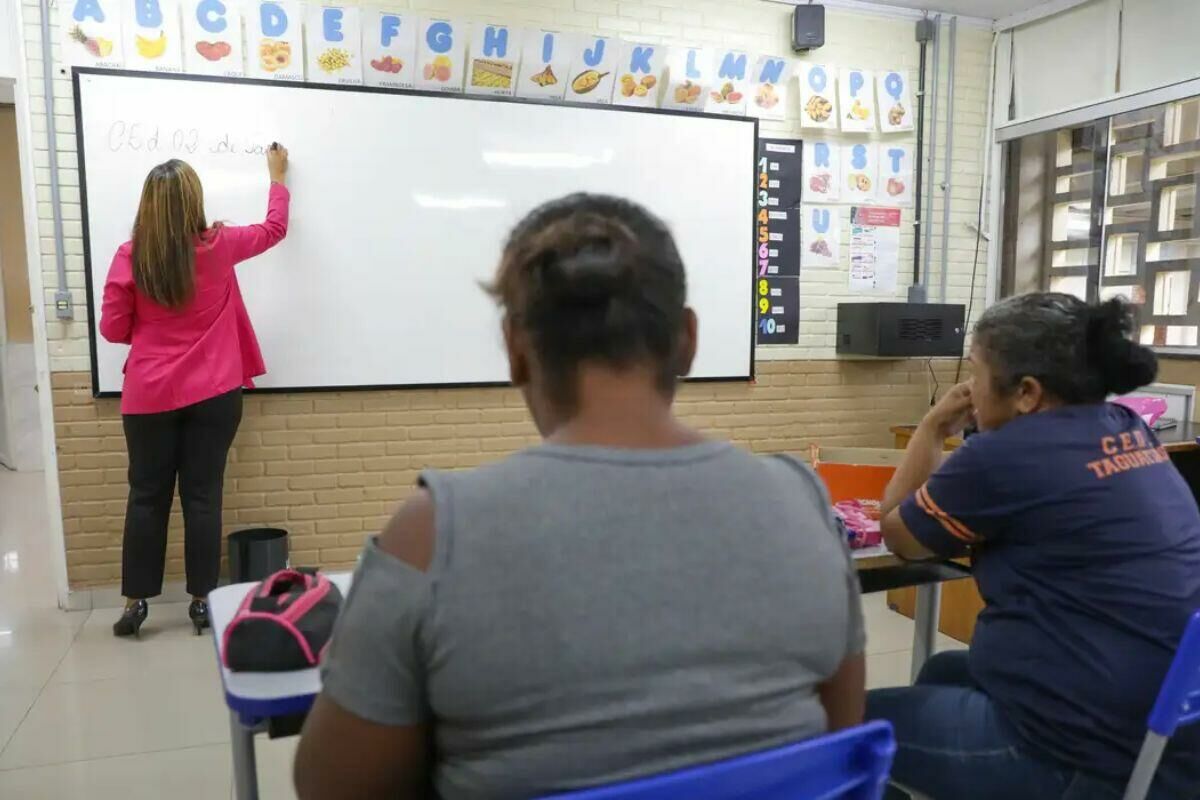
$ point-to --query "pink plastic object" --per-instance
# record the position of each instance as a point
(1148, 408)
(862, 522)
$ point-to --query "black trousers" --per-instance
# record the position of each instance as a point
(191, 444)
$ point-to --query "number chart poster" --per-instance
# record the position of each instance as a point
(777, 244)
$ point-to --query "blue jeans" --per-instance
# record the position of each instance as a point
(952, 742)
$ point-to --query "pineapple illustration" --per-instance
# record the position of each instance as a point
(97, 46)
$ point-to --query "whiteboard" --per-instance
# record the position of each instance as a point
(401, 202)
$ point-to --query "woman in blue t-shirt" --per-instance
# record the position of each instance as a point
(1086, 549)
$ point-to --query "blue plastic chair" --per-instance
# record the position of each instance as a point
(852, 764)
(1178, 704)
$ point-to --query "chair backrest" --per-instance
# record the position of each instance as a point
(1178, 700)
(852, 764)
(855, 473)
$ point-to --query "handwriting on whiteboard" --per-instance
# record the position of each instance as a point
(149, 138)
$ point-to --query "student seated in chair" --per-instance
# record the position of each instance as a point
(626, 598)
(1086, 548)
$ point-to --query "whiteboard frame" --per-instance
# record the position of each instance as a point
(94, 323)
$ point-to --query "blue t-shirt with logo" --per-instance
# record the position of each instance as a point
(1086, 546)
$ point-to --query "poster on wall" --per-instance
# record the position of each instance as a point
(441, 55)
(896, 174)
(333, 42)
(689, 76)
(495, 51)
(856, 89)
(274, 44)
(860, 173)
(874, 249)
(90, 33)
(768, 89)
(639, 72)
(895, 101)
(389, 49)
(152, 36)
(822, 172)
(818, 102)
(545, 64)
(728, 92)
(778, 310)
(592, 65)
(212, 38)
(777, 238)
(820, 236)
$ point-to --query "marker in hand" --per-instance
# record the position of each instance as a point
(277, 162)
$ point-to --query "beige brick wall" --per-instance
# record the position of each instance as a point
(332, 467)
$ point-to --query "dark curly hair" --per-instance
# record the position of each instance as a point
(594, 278)
(1080, 353)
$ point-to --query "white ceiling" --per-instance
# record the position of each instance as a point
(987, 9)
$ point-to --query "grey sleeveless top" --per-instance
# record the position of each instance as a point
(593, 615)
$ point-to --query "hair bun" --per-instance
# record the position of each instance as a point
(1124, 365)
(585, 260)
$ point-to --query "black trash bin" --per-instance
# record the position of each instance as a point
(256, 553)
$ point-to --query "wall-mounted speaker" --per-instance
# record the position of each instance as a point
(808, 28)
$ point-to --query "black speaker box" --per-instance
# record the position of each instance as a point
(808, 28)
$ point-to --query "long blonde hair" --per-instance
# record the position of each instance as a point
(170, 218)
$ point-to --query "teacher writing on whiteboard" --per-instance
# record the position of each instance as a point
(172, 295)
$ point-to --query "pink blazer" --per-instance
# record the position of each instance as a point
(205, 349)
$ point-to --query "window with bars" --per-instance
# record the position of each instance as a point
(1108, 209)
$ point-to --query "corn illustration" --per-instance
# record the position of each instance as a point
(489, 74)
(334, 59)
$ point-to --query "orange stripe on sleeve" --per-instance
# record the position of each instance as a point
(953, 526)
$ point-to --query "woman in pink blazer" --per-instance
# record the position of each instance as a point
(172, 294)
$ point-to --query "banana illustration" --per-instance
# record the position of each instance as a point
(151, 48)
(587, 81)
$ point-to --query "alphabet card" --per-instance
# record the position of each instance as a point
(495, 53)
(728, 93)
(275, 42)
(639, 71)
(895, 101)
(90, 32)
(333, 41)
(896, 174)
(151, 32)
(818, 102)
(860, 171)
(857, 88)
(441, 55)
(545, 64)
(768, 90)
(592, 65)
(212, 38)
(820, 236)
(822, 172)
(689, 75)
(389, 48)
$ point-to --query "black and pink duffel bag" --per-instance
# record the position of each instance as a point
(284, 623)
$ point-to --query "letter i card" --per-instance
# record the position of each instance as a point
(152, 41)
(212, 38)
(333, 42)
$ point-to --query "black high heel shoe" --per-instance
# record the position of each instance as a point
(198, 613)
(131, 620)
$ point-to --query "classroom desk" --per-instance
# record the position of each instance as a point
(257, 699)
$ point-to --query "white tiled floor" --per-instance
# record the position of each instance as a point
(84, 715)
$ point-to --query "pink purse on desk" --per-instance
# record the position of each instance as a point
(1148, 408)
